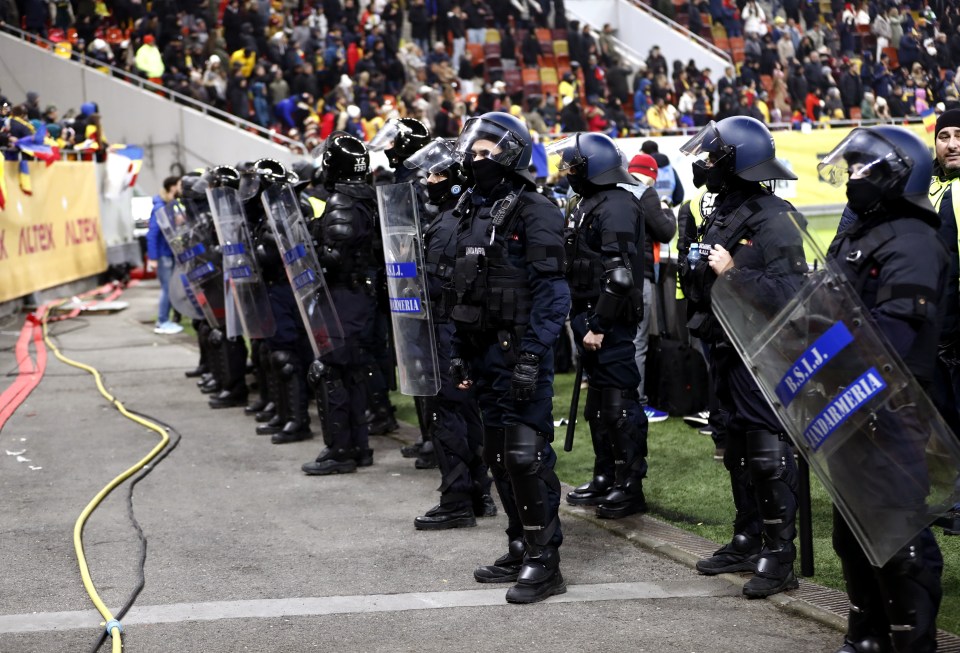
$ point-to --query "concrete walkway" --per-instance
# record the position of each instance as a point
(245, 553)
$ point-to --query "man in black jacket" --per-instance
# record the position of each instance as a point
(739, 238)
(605, 257)
(893, 257)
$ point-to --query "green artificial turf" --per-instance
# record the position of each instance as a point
(688, 488)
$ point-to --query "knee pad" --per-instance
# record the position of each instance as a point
(612, 407)
(767, 455)
(284, 362)
(522, 455)
(216, 337)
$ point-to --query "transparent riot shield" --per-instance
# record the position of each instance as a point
(182, 296)
(303, 269)
(241, 271)
(853, 410)
(197, 266)
(413, 333)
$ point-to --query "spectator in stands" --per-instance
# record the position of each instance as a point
(656, 63)
(19, 124)
(457, 20)
(754, 19)
(909, 51)
(588, 46)
(571, 117)
(33, 105)
(694, 17)
(149, 61)
(530, 49)
(726, 14)
(896, 103)
(477, 13)
(867, 110)
(851, 88)
(606, 46)
(214, 80)
(419, 21)
(35, 13)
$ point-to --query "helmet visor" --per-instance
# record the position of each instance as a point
(484, 139)
(435, 157)
(568, 149)
(706, 142)
(863, 154)
(385, 137)
(249, 185)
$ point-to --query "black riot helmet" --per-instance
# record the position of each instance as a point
(591, 157)
(881, 167)
(512, 145)
(738, 147)
(260, 175)
(341, 158)
(304, 171)
(399, 138)
(438, 159)
(221, 176)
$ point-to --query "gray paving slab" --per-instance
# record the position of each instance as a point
(247, 554)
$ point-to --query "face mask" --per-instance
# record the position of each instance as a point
(437, 192)
(862, 195)
(712, 177)
(576, 183)
(699, 174)
(487, 174)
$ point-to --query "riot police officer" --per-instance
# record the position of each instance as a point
(735, 156)
(456, 431)
(399, 138)
(509, 302)
(344, 235)
(289, 348)
(892, 255)
(605, 273)
(227, 356)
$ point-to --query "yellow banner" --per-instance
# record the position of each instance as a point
(53, 235)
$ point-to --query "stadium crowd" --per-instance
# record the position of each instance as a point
(306, 68)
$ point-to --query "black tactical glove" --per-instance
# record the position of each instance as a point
(525, 374)
(459, 371)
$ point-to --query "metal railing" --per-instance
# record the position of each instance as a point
(80, 58)
(677, 27)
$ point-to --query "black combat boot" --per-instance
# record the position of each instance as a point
(458, 514)
(331, 461)
(504, 569)
(592, 493)
(228, 399)
(427, 458)
(774, 573)
(623, 501)
(297, 428)
(740, 554)
(539, 577)
(363, 457)
(484, 505)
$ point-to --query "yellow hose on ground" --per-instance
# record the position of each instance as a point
(113, 626)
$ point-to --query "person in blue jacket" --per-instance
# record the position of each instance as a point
(160, 256)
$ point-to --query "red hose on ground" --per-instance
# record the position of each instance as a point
(30, 371)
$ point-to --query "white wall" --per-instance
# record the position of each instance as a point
(639, 31)
(170, 133)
